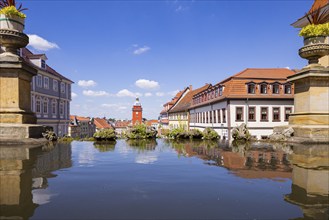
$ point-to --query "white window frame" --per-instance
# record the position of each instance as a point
(45, 109)
(55, 85)
(54, 107)
(46, 82)
(62, 87)
(38, 105)
(39, 80)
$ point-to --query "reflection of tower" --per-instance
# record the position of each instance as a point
(137, 113)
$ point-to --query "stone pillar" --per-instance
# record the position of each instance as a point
(310, 119)
(15, 81)
(17, 121)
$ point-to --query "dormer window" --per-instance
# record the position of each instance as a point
(43, 64)
(287, 89)
(251, 88)
(220, 91)
(263, 88)
(275, 88)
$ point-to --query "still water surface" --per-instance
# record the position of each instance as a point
(154, 180)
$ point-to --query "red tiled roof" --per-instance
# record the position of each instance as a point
(122, 124)
(101, 123)
(186, 101)
(150, 122)
(235, 86)
(173, 101)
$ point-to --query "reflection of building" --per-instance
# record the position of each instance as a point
(50, 94)
(81, 127)
(254, 163)
(24, 169)
(137, 113)
(260, 98)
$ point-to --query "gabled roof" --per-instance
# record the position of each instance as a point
(101, 123)
(150, 122)
(173, 101)
(27, 54)
(186, 101)
(235, 86)
(122, 124)
(318, 4)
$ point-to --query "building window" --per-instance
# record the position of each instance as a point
(62, 87)
(218, 116)
(287, 112)
(276, 114)
(38, 106)
(39, 80)
(53, 108)
(263, 88)
(251, 88)
(55, 85)
(46, 82)
(224, 115)
(251, 114)
(45, 106)
(43, 64)
(275, 89)
(220, 91)
(264, 113)
(216, 92)
(287, 89)
(61, 108)
(239, 114)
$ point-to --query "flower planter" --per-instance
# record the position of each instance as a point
(314, 48)
(12, 22)
(314, 40)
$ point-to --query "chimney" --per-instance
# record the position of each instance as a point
(191, 88)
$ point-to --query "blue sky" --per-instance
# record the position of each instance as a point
(116, 50)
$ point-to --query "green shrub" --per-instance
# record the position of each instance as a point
(141, 131)
(105, 134)
(210, 134)
(196, 134)
(178, 133)
(66, 139)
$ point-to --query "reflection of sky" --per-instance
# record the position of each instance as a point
(122, 150)
(146, 158)
(85, 154)
(42, 196)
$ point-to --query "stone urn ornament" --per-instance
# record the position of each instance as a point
(315, 37)
(11, 27)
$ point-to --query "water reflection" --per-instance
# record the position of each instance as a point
(244, 160)
(23, 170)
(105, 146)
(142, 144)
(310, 180)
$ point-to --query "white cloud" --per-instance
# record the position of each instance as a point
(127, 93)
(173, 93)
(148, 94)
(115, 106)
(41, 44)
(147, 84)
(159, 94)
(87, 83)
(95, 93)
(141, 50)
(181, 8)
(73, 95)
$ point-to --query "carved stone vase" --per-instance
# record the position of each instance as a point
(313, 49)
(12, 22)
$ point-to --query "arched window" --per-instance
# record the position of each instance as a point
(38, 105)
(45, 106)
(251, 88)
(275, 88)
(263, 88)
(287, 89)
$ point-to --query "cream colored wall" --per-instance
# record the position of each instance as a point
(177, 120)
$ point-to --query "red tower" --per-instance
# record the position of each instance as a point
(137, 113)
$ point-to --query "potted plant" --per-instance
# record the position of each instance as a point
(315, 34)
(318, 28)
(11, 16)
